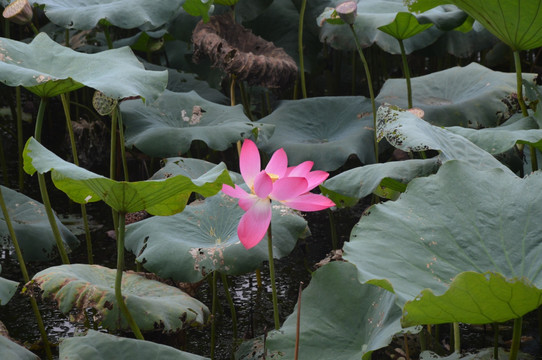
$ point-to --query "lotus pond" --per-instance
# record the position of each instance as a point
(265, 179)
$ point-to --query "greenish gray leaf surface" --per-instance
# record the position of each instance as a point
(341, 319)
(203, 238)
(347, 188)
(467, 96)
(404, 26)
(325, 130)
(47, 69)
(463, 230)
(99, 346)
(126, 14)
(158, 197)
(13, 351)
(190, 167)
(32, 228)
(408, 132)
(170, 125)
(153, 305)
(7, 289)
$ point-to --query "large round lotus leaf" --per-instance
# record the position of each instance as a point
(459, 246)
(99, 346)
(372, 14)
(326, 130)
(126, 14)
(47, 69)
(203, 238)
(7, 289)
(12, 350)
(467, 96)
(341, 319)
(347, 188)
(153, 305)
(168, 126)
(500, 139)
(406, 131)
(516, 23)
(158, 197)
(462, 44)
(32, 228)
(190, 167)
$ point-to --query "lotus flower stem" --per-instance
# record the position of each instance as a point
(121, 144)
(118, 279)
(230, 302)
(406, 72)
(20, 141)
(26, 278)
(521, 101)
(298, 321)
(213, 311)
(43, 189)
(113, 162)
(333, 228)
(272, 277)
(66, 106)
(516, 338)
(300, 48)
(457, 338)
(495, 327)
(370, 85)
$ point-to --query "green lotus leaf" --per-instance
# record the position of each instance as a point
(463, 44)
(126, 14)
(199, 8)
(467, 96)
(347, 188)
(203, 238)
(168, 126)
(32, 228)
(99, 346)
(12, 350)
(7, 289)
(461, 230)
(376, 13)
(483, 354)
(516, 23)
(500, 139)
(361, 318)
(247, 10)
(404, 26)
(158, 197)
(407, 132)
(326, 130)
(189, 167)
(47, 69)
(153, 305)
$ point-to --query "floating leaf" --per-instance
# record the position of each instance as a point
(362, 319)
(158, 197)
(85, 15)
(326, 130)
(407, 132)
(463, 230)
(12, 350)
(99, 346)
(516, 23)
(154, 305)
(347, 188)
(47, 69)
(203, 238)
(32, 228)
(467, 96)
(168, 126)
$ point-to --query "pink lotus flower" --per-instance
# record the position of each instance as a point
(288, 185)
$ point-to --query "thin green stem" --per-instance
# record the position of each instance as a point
(26, 278)
(118, 279)
(213, 312)
(66, 106)
(3, 163)
(457, 338)
(333, 228)
(121, 144)
(370, 85)
(230, 302)
(113, 161)
(43, 188)
(34, 28)
(516, 338)
(495, 327)
(298, 322)
(108, 37)
(406, 72)
(272, 277)
(300, 48)
(20, 141)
